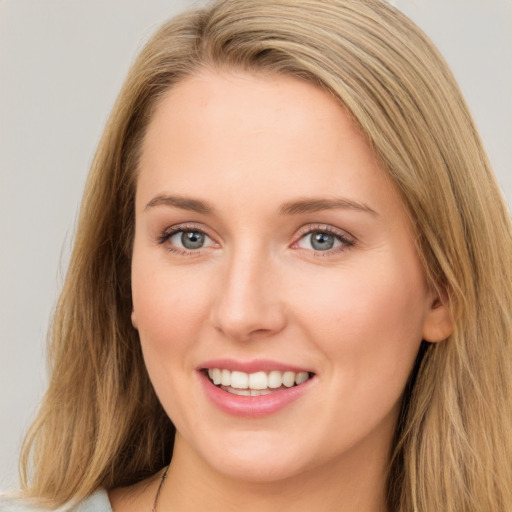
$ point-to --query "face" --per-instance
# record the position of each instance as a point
(277, 291)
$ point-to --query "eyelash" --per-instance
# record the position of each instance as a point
(166, 235)
(346, 241)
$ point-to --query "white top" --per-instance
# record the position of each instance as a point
(96, 502)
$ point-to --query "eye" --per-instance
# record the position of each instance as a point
(189, 239)
(324, 240)
(185, 240)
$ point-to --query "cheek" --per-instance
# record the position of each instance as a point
(372, 300)
(169, 309)
(368, 321)
(169, 306)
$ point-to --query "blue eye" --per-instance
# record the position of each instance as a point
(323, 241)
(186, 239)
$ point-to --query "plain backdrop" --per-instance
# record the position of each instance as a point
(62, 63)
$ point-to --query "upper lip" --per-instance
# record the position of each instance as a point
(256, 365)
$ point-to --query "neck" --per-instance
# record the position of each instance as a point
(357, 482)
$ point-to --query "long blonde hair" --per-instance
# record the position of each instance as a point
(101, 424)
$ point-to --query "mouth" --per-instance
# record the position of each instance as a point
(255, 384)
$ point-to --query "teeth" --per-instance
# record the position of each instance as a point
(258, 380)
(301, 377)
(275, 380)
(288, 379)
(216, 375)
(259, 392)
(242, 392)
(255, 384)
(239, 380)
(225, 377)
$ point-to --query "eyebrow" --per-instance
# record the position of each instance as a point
(315, 205)
(184, 203)
(298, 207)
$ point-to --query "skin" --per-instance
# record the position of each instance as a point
(247, 146)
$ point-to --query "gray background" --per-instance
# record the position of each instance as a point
(62, 63)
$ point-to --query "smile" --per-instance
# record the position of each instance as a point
(254, 389)
(255, 384)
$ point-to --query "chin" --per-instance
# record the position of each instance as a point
(258, 470)
(256, 458)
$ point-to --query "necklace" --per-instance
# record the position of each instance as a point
(155, 503)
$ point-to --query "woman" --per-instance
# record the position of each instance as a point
(290, 287)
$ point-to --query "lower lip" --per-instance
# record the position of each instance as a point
(253, 406)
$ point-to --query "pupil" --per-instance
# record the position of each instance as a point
(322, 241)
(192, 239)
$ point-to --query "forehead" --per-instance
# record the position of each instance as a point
(216, 132)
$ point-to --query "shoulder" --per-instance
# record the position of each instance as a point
(96, 502)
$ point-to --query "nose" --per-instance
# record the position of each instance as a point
(248, 302)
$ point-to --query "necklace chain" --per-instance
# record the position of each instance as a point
(155, 503)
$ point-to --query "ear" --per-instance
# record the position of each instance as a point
(134, 319)
(438, 323)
